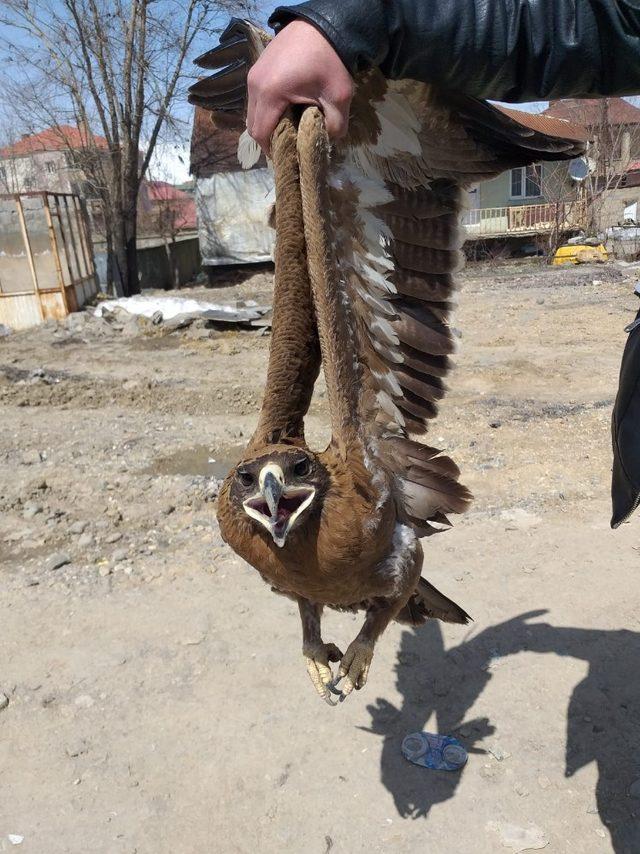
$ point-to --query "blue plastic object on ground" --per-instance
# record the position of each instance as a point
(438, 752)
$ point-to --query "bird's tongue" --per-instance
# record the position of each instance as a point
(287, 506)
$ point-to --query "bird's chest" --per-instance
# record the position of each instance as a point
(333, 558)
(336, 560)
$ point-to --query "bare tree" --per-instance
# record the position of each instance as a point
(565, 205)
(116, 70)
(9, 177)
(614, 145)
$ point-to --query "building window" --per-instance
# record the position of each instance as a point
(3, 174)
(525, 182)
(51, 166)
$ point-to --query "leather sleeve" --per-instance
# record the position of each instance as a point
(625, 424)
(508, 50)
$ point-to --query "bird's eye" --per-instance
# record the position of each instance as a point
(246, 478)
(301, 468)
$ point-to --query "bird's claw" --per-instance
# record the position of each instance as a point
(354, 669)
(333, 686)
(319, 669)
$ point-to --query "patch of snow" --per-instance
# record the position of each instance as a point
(170, 307)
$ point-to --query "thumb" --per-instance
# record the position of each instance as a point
(336, 118)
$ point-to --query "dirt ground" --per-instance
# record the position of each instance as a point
(157, 697)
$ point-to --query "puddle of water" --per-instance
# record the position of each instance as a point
(199, 460)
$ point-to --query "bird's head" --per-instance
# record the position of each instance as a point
(279, 489)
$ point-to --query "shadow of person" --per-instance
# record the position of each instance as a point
(603, 716)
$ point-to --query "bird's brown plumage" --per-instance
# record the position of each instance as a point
(367, 243)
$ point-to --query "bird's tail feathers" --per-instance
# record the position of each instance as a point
(428, 602)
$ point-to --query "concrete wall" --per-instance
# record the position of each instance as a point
(154, 264)
(44, 170)
(613, 205)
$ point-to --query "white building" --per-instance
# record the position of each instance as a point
(51, 160)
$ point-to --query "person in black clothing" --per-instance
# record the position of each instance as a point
(505, 50)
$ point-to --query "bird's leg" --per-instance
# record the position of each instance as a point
(317, 654)
(355, 663)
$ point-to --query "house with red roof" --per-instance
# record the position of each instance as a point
(55, 159)
(613, 125)
(539, 182)
(167, 209)
(591, 113)
(614, 128)
(593, 193)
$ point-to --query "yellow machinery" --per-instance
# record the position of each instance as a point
(580, 253)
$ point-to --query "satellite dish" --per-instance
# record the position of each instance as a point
(581, 168)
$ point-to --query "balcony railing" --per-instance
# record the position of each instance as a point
(524, 219)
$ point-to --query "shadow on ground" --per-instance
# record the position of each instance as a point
(603, 716)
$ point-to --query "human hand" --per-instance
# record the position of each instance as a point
(298, 67)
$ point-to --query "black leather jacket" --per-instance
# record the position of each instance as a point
(507, 50)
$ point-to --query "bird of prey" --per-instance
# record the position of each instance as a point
(368, 239)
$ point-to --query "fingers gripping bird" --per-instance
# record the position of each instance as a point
(367, 242)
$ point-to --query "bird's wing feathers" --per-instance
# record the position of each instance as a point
(391, 206)
(240, 41)
(225, 92)
(396, 195)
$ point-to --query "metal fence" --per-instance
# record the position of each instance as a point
(524, 219)
(46, 257)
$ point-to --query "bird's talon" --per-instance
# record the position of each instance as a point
(333, 686)
(318, 660)
(354, 668)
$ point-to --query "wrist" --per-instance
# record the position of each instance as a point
(358, 38)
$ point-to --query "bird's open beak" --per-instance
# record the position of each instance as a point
(272, 491)
(277, 506)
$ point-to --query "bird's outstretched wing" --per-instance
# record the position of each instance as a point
(224, 94)
(392, 211)
(241, 44)
(391, 214)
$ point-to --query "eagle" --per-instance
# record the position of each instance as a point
(368, 241)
